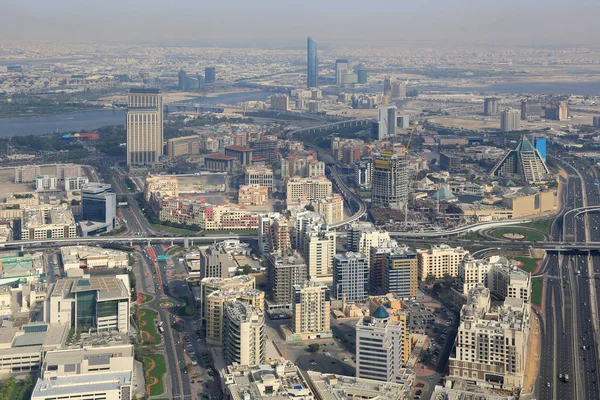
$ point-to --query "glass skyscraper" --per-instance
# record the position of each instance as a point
(312, 75)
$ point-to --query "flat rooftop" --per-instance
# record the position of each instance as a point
(107, 286)
(81, 384)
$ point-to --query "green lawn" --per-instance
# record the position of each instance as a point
(173, 230)
(529, 264)
(470, 236)
(148, 298)
(150, 327)
(529, 235)
(175, 250)
(159, 370)
(541, 225)
(537, 285)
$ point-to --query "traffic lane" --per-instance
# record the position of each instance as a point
(586, 341)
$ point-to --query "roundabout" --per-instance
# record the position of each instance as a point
(513, 236)
(513, 233)
(166, 304)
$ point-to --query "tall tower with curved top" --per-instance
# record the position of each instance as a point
(312, 75)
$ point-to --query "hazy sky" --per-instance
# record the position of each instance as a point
(523, 22)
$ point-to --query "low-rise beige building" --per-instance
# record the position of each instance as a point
(253, 195)
(306, 190)
(166, 185)
(440, 260)
(82, 257)
(183, 145)
(48, 222)
(530, 202)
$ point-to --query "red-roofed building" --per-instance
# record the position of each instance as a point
(242, 154)
(219, 162)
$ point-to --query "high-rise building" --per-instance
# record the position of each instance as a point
(377, 252)
(305, 222)
(540, 145)
(331, 208)
(181, 82)
(398, 90)
(285, 269)
(387, 86)
(144, 127)
(490, 106)
(440, 260)
(386, 122)
(99, 208)
(530, 109)
(400, 272)
(341, 69)
(362, 236)
(524, 163)
(259, 175)
(104, 372)
(280, 102)
(311, 311)
(380, 347)
(273, 233)
(217, 259)
(362, 173)
(596, 122)
(210, 75)
(244, 334)
(350, 277)
(236, 284)
(510, 120)
(46, 182)
(312, 69)
(319, 250)
(362, 75)
(558, 112)
(183, 145)
(389, 188)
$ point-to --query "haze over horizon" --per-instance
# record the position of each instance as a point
(462, 22)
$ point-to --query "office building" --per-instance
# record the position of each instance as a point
(104, 372)
(241, 153)
(331, 208)
(380, 348)
(403, 121)
(76, 183)
(90, 257)
(439, 261)
(398, 90)
(48, 222)
(350, 277)
(397, 311)
(264, 149)
(389, 187)
(183, 146)
(210, 75)
(184, 82)
(596, 122)
(280, 102)
(510, 120)
(276, 380)
(386, 122)
(490, 106)
(98, 209)
(219, 259)
(259, 175)
(253, 195)
(491, 345)
(99, 303)
(387, 86)
(341, 69)
(524, 164)
(539, 142)
(557, 112)
(306, 190)
(46, 182)
(339, 387)
(219, 162)
(144, 127)
(362, 76)
(362, 173)
(400, 272)
(319, 250)
(531, 109)
(377, 251)
(450, 162)
(311, 312)
(362, 236)
(244, 334)
(312, 68)
(22, 349)
(285, 270)
(273, 233)
(236, 284)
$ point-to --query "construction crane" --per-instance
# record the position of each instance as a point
(410, 136)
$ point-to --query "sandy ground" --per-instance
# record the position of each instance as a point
(467, 122)
(8, 185)
(533, 358)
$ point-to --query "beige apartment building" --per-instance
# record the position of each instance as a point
(363, 236)
(259, 175)
(319, 250)
(273, 232)
(440, 260)
(182, 146)
(48, 222)
(87, 373)
(144, 126)
(311, 312)
(331, 208)
(245, 336)
(166, 185)
(253, 195)
(211, 285)
(306, 190)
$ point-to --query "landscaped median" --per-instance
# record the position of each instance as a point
(527, 234)
(146, 319)
(537, 286)
(154, 369)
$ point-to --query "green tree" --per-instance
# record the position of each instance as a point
(309, 207)
(313, 347)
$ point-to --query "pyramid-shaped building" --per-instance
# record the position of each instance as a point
(524, 163)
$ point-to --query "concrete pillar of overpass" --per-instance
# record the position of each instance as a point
(186, 242)
(131, 243)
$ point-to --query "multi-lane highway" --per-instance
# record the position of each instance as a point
(568, 320)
